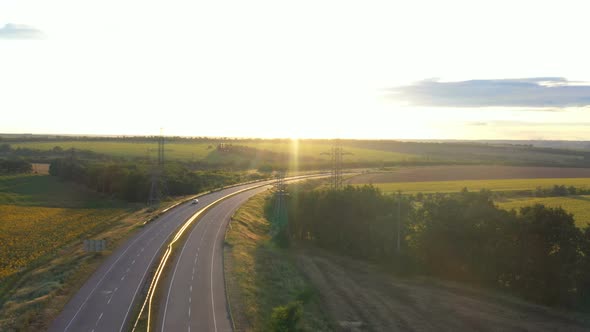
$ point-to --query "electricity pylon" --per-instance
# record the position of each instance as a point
(158, 187)
(336, 153)
(280, 216)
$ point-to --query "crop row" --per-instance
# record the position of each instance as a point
(28, 233)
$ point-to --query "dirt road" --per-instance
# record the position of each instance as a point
(360, 297)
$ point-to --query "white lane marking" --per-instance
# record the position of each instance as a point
(138, 286)
(211, 277)
(104, 276)
(190, 300)
(189, 311)
(112, 294)
(174, 274)
(191, 288)
(122, 278)
(127, 270)
(142, 249)
(221, 224)
(133, 262)
(99, 317)
(148, 230)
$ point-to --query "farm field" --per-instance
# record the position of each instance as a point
(470, 172)
(311, 149)
(206, 151)
(579, 206)
(504, 185)
(174, 150)
(39, 214)
(31, 232)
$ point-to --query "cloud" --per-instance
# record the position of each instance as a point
(19, 31)
(527, 92)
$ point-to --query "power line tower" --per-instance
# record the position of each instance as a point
(280, 216)
(336, 153)
(158, 188)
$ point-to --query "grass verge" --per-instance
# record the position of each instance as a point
(261, 278)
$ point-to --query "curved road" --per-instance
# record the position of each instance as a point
(105, 301)
(193, 294)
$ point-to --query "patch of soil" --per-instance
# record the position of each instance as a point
(477, 172)
(360, 297)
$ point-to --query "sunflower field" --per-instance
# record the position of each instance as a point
(30, 232)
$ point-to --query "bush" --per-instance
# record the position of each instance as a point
(285, 318)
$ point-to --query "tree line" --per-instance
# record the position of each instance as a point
(537, 253)
(132, 181)
(15, 166)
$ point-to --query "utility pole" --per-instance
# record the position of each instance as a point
(399, 219)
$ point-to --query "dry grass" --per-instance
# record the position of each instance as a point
(40, 169)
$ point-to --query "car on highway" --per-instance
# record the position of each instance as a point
(195, 201)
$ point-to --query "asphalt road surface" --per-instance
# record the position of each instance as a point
(193, 293)
(105, 301)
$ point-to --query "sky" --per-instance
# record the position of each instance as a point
(350, 69)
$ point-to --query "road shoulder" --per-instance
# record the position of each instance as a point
(261, 277)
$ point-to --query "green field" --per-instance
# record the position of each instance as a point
(206, 151)
(579, 206)
(49, 191)
(475, 185)
(174, 150)
(311, 149)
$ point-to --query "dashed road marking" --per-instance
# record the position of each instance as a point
(98, 320)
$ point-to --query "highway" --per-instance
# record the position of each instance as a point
(193, 294)
(105, 301)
